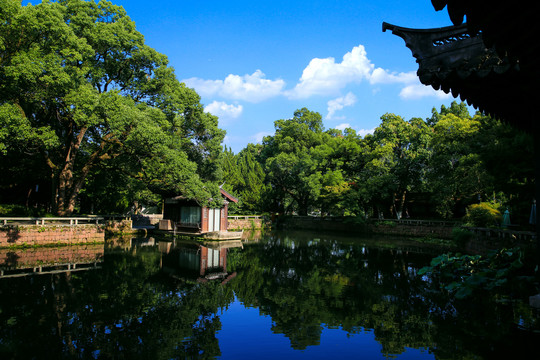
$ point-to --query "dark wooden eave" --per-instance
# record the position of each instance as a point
(455, 60)
(227, 195)
(510, 27)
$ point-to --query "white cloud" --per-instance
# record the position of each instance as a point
(364, 132)
(418, 91)
(253, 88)
(339, 103)
(321, 77)
(258, 137)
(381, 76)
(343, 126)
(325, 76)
(361, 132)
(223, 110)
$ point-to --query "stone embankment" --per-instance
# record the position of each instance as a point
(239, 222)
(410, 228)
(25, 232)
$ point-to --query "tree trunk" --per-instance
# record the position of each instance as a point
(67, 189)
(28, 197)
(402, 203)
(302, 208)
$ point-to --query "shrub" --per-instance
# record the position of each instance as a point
(13, 210)
(460, 236)
(483, 215)
(356, 220)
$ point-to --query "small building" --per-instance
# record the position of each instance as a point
(186, 215)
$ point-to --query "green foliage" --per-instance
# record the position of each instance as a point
(80, 93)
(99, 120)
(244, 176)
(463, 276)
(359, 220)
(461, 236)
(11, 210)
(294, 168)
(422, 168)
(386, 223)
(483, 215)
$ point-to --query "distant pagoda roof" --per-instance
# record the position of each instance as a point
(480, 63)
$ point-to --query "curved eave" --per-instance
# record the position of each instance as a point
(463, 66)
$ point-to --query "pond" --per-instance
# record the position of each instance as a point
(293, 295)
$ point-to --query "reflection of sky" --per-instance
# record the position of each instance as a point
(245, 334)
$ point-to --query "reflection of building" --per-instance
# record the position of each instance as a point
(191, 260)
(187, 215)
(49, 260)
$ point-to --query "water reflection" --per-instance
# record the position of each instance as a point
(287, 295)
(190, 260)
(43, 260)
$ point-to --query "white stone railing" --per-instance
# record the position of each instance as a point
(244, 217)
(51, 220)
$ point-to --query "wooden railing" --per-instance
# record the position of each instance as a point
(51, 220)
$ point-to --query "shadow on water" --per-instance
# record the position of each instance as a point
(168, 298)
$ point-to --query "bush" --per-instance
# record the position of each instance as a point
(356, 220)
(12, 210)
(483, 215)
(461, 236)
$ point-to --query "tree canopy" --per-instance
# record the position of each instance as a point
(432, 167)
(81, 95)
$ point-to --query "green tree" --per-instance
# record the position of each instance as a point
(508, 155)
(460, 110)
(458, 174)
(244, 176)
(79, 88)
(292, 172)
(252, 187)
(397, 163)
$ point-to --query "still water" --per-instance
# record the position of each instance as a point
(288, 295)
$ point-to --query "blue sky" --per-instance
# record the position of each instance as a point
(254, 62)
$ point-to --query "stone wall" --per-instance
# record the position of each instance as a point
(34, 235)
(242, 223)
(486, 239)
(119, 226)
(439, 229)
(320, 224)
(440, 232)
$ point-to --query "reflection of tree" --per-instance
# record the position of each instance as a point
(125, 310)
(130, 309)
(307, 284)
